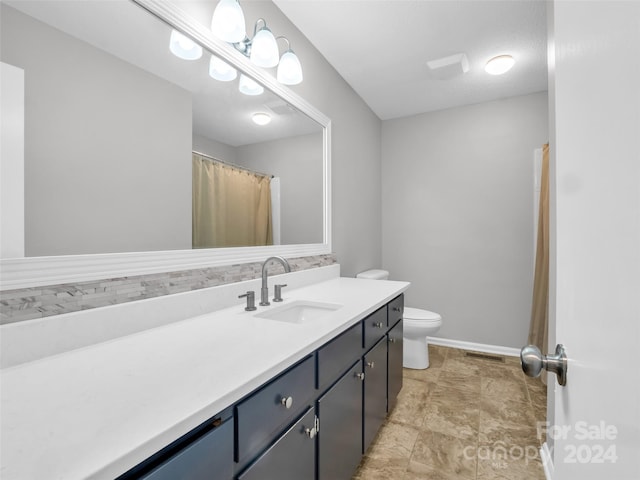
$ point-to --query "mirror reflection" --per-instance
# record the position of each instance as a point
(128, 147)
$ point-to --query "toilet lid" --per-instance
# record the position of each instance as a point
(419, 314)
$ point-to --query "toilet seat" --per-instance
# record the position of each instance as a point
(420, 316)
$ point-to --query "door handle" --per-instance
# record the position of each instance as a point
(533, 362)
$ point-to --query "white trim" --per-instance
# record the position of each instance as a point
(39, 271)
(478, 347)
(547, 461)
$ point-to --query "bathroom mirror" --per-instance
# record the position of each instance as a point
(111, 120)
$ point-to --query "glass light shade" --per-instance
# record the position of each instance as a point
(261, 118)
(499, 65)
(264, 49)
(249, 86)
(289, 69)
(183, 47)
(228, 21)
(221, 70)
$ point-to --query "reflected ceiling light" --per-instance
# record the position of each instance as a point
(499, 65)
(289, 68)
(261, 118)
(228, 21)
(249, 86)
(264, 48)
(221, 70)
(184, 47)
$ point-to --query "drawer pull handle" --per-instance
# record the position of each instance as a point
(371, 364)
(310, 432)
(392, 340)
(396, 309)
(377, 324)
(360, 376)
(287, 402)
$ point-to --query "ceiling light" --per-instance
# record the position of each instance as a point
(499, 65)
(289, 68)
(184, 47)
(264, 48)
(249, 86)
(261, 118)
(221, 70)
(228, 21)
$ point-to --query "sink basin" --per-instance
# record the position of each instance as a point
(300, 312)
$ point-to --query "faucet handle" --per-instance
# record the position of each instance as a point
(278, 292)
(251, 300)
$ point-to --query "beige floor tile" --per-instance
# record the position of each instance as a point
(446, 454)
(381, 469)
(504, 389)
(502, 371)
(509, 463)
(394, 441)
(419, 471)
(412, 402)
(431, 374)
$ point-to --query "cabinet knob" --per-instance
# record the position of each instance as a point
(371, 364)
(396, 309)
(310, 432)
(287, 402)
(360, 376)
(377, 324)
(392, 340)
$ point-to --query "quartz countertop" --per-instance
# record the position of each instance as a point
(97, 411)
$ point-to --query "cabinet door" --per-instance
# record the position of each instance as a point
(395, 365)
(208, 458)
(340, 434)
(375, 391)
(292, 457)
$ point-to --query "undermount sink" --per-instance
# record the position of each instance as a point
(300, 312)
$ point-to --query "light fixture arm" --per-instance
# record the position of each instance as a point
(255, 27)
(285, 39)
(244, 46)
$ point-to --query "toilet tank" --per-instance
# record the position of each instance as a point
(374, 275)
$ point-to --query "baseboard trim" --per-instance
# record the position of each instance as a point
(478, 347)
(547, 461)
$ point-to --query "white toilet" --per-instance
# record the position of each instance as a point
(417, 325)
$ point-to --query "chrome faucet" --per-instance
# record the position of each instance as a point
(264, 291)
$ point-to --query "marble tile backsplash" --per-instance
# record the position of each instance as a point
(29, 303)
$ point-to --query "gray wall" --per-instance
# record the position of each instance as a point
(298, 163)
(215, 149)
(80, 200)
(355, 148)
(458, 214)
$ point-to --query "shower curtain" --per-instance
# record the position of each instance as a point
(231, 206)
(538, 328)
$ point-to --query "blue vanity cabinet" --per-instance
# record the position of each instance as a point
(262, 415)
(395, 309)
(375, 391)
(375, 326)
(394, 363)
(291, 457)
(209, 457)
(336, 356)
(340, 434)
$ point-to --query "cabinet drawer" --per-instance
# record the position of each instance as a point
(375, 326)
(396, 309)
(337, 355)
(208, 458)
(260, 416)
(292, 457)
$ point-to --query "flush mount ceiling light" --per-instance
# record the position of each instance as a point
(261, 118)
(184, 47)
(499, 65)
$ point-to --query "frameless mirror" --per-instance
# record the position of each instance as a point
(112, 121)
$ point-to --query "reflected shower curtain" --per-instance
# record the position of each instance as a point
(538, 328)
(231, 207)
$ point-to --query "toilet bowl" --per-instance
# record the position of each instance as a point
(417, 325)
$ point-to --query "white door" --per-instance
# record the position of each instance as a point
(595, 264)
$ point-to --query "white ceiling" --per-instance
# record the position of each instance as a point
(380, 47)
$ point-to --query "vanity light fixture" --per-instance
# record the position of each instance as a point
(221, 70)
(289, 68)
(250, 87)
(264, 48)
(499, 65)
(183, 47)
(261, 118)
(228, 21)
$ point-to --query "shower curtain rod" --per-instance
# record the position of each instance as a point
(214, 159)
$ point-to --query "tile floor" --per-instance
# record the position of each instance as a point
(463, 418)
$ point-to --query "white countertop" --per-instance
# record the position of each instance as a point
(97, 411)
